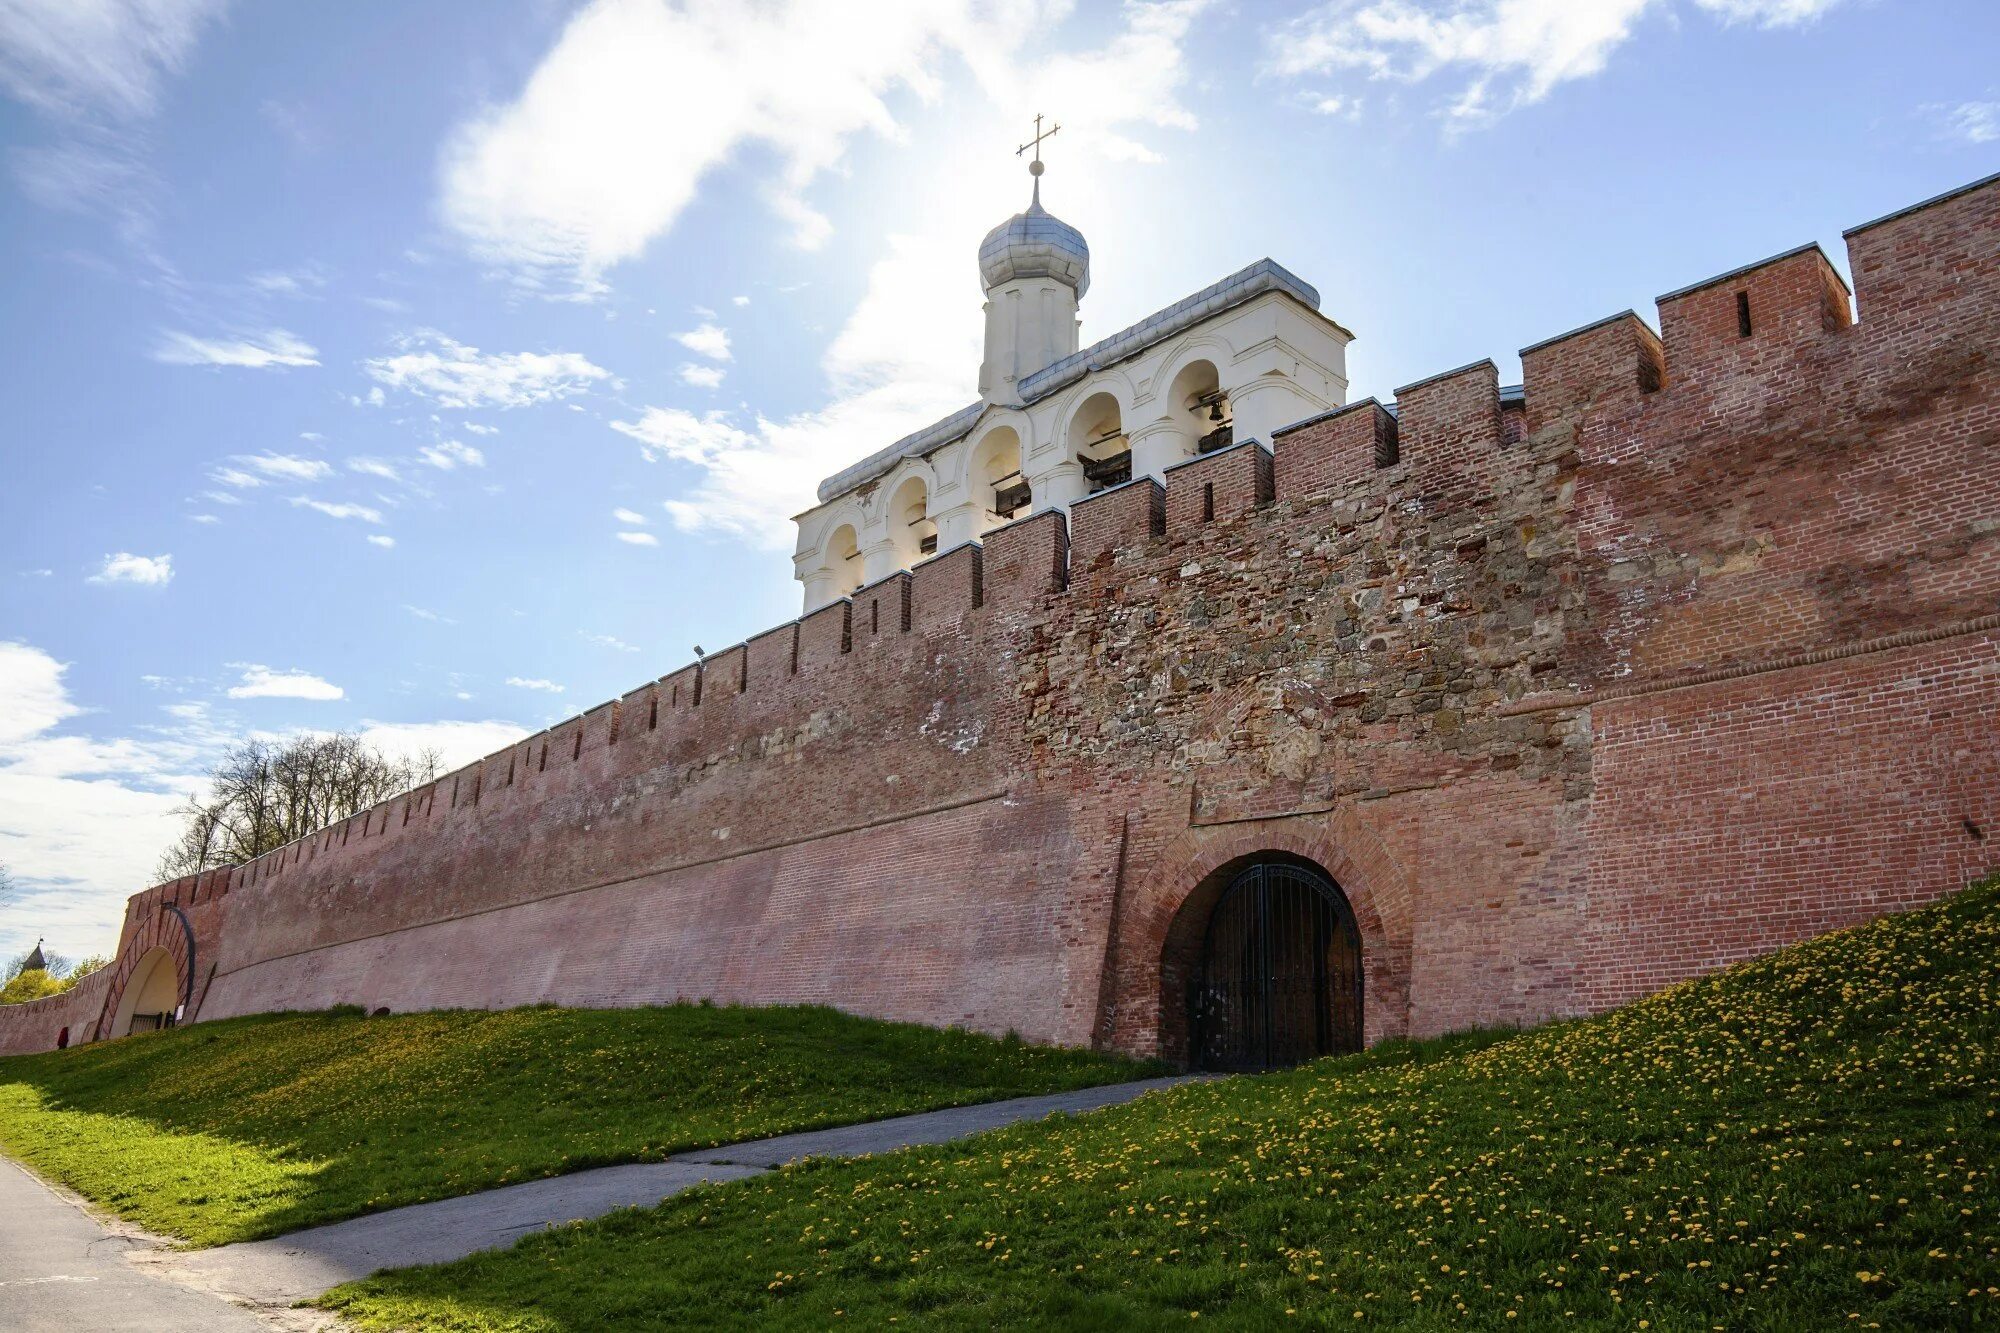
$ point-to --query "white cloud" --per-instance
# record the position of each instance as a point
(535, 683)
(739, 300)
(454, 375)
(289, 282)
(456, 743)
(381, 539)
(125, 567)
(255, 351)
(72, 57)
(709, 340)
(312, 435)
(631, 517)
(702, 377)
(288, 466)
(575, 175)
(1513, 52)
(1973, 122)
(570, 179)
(1768, 13)
(81, 820)
(607, 641)
(374, 467)
(32, 697)
(902, 360)
(203, 518)
(234, 476)
(422, 613)
(261, 682)
(451, 454)
(341, 510)
(474, 428)
(638, 538)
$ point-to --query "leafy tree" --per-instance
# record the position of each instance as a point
(52, 963)
(263, 794)
(32, 984)
(85, 968)
(56, 976)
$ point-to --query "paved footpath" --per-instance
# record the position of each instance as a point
(62, 1269)
(271, 1275)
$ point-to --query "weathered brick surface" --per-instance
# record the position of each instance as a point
(1689, 655)
(1335, 450)
(1104, 524)
(1218, 488)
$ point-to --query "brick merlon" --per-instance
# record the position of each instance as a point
(1742, 269)
(1601, 323)
(1486, 361)
(1921, 205)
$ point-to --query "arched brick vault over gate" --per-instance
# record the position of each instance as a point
(162, 931)
(1165, 911)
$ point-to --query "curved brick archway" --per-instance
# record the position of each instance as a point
(160, 935)
(1154, 929)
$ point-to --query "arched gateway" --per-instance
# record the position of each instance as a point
(1278, 981)
(152, 995)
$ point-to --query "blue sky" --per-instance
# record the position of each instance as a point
(442, 370)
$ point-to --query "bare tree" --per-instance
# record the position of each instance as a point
(6, 887)
(263, 794)
(53, 963)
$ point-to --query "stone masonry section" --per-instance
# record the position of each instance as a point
(1685, 650)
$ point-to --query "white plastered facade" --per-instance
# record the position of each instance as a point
(1262, 359)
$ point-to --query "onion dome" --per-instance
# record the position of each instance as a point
(1035, 244)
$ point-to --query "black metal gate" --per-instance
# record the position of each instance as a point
(1280, 975)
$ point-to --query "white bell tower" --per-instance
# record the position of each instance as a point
(1035, 268)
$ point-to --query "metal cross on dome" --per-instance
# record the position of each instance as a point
(1035, 167)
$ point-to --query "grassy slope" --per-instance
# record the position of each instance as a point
(1804, 1143)
(256, 1126)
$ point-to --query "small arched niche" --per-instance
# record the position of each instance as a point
(843, 560)
(152, 994)
(1097, 440)
(996, 476)
(1198, 398)
(911, 528)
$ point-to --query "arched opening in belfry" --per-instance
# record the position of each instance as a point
(1197, 396)
(1261, 969)
(152, 994)
(1097, 439)
(843, 559)
(996, 476)
(911, 528)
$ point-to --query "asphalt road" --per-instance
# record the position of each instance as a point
(61, 1270)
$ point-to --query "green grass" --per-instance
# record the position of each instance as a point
(1803, 1143)
(257, 1126)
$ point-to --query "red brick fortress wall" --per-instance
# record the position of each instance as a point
(1683, 651)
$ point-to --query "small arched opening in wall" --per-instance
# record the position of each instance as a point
(151, 996)
(843, 560)
(996, 478)
(911, 529)
(1097, 440)
(1198, 401)
(1262, 968)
